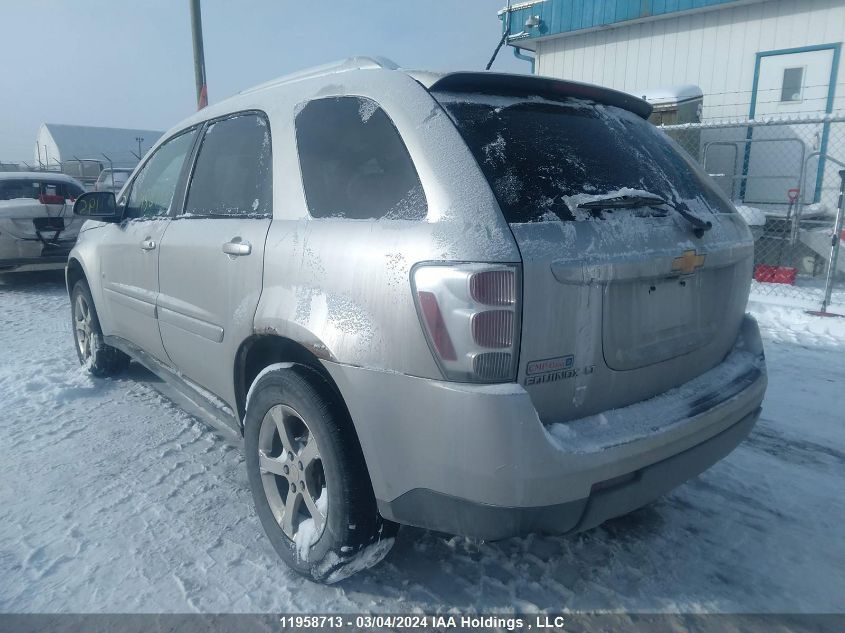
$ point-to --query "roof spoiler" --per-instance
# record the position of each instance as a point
(532, 85)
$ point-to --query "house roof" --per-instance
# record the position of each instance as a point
(85, 141)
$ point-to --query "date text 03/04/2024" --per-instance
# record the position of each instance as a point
(423, 622)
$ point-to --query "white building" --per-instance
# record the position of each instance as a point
(756, 59)
(57, 144)
(748, 56)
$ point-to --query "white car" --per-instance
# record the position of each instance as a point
(37, 225)
(112, 179)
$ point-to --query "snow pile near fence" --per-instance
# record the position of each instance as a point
(788, 324)
(752, 215)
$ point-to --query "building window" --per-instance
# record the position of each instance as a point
(793, 79)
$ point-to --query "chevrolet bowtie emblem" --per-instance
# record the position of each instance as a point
(687, 263)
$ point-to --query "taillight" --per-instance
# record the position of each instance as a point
(470, 314)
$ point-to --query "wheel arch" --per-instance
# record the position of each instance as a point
(74, 272)
(261, 350)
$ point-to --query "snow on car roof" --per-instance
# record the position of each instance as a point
(473, 81)
(38, 175)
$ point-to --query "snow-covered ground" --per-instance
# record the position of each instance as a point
(113, 500)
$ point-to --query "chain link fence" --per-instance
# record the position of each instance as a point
(784, 177)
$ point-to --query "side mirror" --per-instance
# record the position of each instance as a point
(97, 205)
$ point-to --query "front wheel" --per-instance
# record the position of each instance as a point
(308, 478)
(100, 359)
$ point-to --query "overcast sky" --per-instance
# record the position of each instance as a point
(129, 63)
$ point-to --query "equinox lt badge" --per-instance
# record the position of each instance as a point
(552, 369)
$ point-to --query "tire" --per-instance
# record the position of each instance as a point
(97, 357)
(321, 458)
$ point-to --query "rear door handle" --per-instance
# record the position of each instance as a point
(237, 248)
(148, 244)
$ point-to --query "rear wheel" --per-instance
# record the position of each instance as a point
(97, 357)
(310, 485)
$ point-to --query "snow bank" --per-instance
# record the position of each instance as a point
(751, 215)
(788, 324)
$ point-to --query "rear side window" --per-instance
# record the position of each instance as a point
(13, 189)
(233, 174)
(354, 163)
(543, 159)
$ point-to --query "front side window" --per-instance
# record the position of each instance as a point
(70, 190)
(233, 175)
(153, 189)
(793, 80)
(354, 163)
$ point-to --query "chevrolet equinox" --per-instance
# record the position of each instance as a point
(478, 303)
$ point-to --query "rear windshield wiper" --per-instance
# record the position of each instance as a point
(623, 202)
(630, 201)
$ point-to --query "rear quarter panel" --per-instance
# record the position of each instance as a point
(342, 286)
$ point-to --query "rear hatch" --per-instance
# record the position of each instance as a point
(625, 291)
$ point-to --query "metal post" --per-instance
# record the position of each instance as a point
(505, 35)
(834, 244)
(111, 168)
(199, 55)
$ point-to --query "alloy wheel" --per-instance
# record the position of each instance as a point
(83, 325)
(292, 473)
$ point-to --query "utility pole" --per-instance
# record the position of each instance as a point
(139, 139)
(199, 55)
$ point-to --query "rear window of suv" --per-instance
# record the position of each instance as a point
(543, 158)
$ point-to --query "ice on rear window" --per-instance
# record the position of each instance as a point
(543, 158)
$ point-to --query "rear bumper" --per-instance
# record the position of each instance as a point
(426, 508)
(476, 460)
(16, 251)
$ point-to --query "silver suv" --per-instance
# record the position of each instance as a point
(478, 303)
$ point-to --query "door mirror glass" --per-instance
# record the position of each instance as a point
(97, 205)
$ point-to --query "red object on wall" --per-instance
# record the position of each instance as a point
(775, 274)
